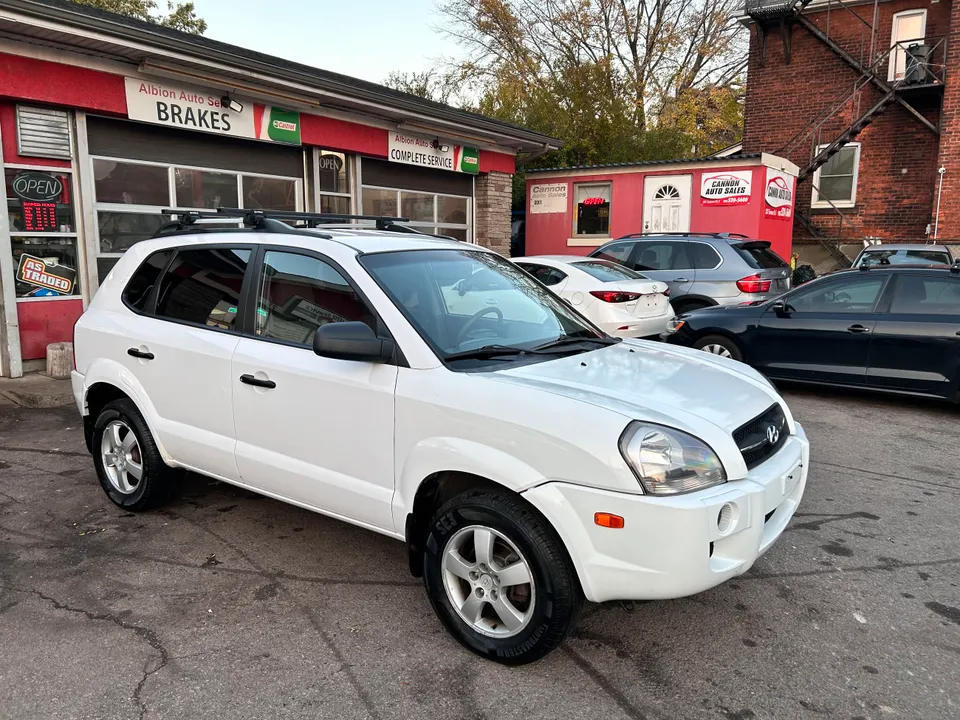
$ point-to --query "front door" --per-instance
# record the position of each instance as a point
(666, 203)
(823, 332)
(310, 429)
(908, 29)
(916, 345)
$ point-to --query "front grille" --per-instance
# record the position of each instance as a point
(753, 438)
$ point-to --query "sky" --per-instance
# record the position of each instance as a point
(366, 39)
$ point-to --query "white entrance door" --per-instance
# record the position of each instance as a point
(666, 203)
(909, 27)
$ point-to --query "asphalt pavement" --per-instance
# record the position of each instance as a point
(228, 605)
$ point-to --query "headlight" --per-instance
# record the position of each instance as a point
(670, 462)
(674, 325)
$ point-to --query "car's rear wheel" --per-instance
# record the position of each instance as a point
(719, 345)
(128, 464)
(499, 578)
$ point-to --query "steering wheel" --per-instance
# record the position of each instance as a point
(461, 336)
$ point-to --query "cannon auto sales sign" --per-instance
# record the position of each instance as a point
(190, 108)
(727, 187)
(778, 195)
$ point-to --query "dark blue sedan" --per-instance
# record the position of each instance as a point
(893, 329)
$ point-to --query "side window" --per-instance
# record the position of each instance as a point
(662, 256)
(856, 295)
(547, 275)
(299, 293)
(137, 291)
(202, 286)
(703, 256)
(619, 253)
(919, 295)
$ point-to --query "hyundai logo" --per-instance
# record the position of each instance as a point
(773, 434)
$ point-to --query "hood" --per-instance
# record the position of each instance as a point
(664, 384)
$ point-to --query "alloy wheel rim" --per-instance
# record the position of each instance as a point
(121, 457)
(488, 581)
(716, 350)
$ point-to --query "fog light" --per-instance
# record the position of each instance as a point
(727, 518)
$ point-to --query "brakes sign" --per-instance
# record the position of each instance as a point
(34, 271)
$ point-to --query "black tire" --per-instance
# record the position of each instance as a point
(158, 482)
(721, 341)
(557, 596)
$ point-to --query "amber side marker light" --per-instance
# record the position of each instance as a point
(608, 520)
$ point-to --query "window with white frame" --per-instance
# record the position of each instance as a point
(835, 182)
(130, 195)
(332, 180)
(430, 212)
(43, 232)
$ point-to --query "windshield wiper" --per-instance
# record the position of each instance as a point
(490, 351)
(565, 340)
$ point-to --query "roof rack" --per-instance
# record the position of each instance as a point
(270, 220)
(685, 234)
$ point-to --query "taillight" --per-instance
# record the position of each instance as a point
(753, 284)
(666, 292)
(614, 296)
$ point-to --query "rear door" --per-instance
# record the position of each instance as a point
(823, 333)
(668, 261)
(916, 343)
(180, 351)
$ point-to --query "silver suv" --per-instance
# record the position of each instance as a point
(703, 269)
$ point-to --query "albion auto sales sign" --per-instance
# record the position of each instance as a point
(778, 195)
(727, 187)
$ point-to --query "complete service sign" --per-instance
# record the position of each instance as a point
(424, 152)
(200, 110)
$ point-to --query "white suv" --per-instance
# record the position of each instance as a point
(528, 460)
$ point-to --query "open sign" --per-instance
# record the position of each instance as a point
(37, 187)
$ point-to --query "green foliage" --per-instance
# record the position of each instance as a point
(180, 16)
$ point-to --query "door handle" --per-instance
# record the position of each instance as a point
(680, 280)
(251, 380)
(133, 352)
(858, 329)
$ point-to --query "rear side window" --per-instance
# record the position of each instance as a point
(202, 286)
(918, 295)
(760, 258)
(547, 275)
(704, 256)
(619, 253)
(299, 293)
(607, 271)
(137, 291)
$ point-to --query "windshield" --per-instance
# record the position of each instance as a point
(462, 300)
(607, 271)
(760, 258)
(903, 257)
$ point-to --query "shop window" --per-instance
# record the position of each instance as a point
(266, 193)
(205, 189)
(299, 294)
(836, 180)
(593, 209)
(332, 178)
(203, 287)
(131, 183)
(334, 204)
(43, 235)
(433, 213)
(120, 230)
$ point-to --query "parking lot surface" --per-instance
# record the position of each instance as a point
(228, 605)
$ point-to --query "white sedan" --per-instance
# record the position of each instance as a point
(618, 300)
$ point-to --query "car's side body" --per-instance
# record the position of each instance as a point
(703, 270)
(880, 335)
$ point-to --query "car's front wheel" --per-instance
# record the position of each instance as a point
(719, 345)
(499, 578)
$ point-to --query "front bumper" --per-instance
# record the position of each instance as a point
(677, 546)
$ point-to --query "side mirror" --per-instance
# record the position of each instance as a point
(351, 341)
(780, 308)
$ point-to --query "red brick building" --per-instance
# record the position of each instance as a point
(865, 98)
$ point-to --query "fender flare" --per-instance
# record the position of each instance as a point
(110, 372)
